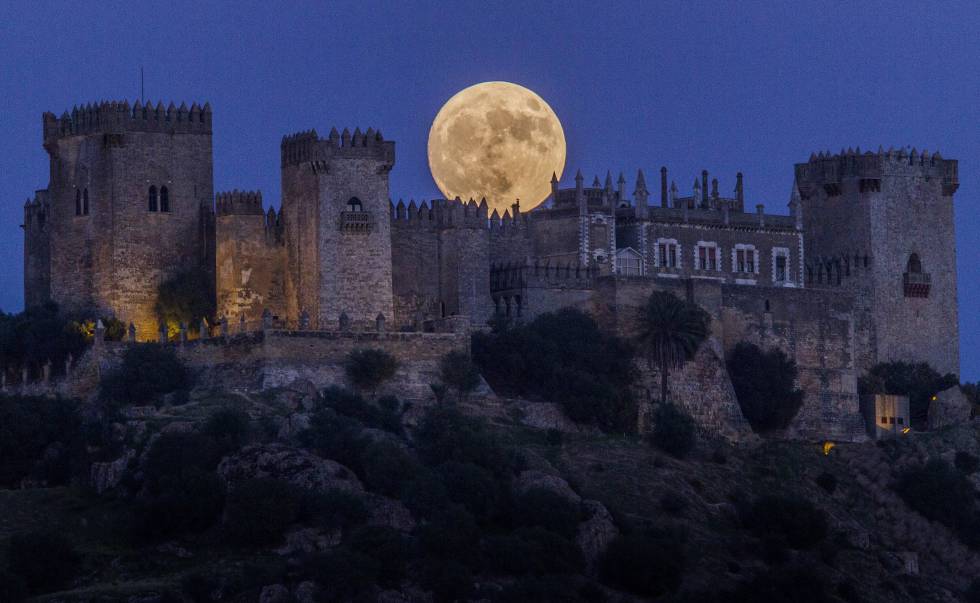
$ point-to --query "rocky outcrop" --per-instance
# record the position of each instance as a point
(529, 480)
(595, 534)
(275, 593)
(106, 476)
(298, 467)
(949, 407)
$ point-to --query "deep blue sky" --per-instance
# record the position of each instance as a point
(724, 86)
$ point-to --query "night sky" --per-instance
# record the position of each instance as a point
(749, 87)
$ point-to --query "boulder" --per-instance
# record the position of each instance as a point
(539, 479)
(389, 512)
(305, 592)
(298, 467)
(274, 593)
(308, 540)
(595, 534)
(545, 415)
(949, 407)
(106, 476)
(293, 425)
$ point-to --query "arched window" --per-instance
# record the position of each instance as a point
(164, 199)
(85, 202)
(153, 198)
(78, 201)
(915, 265)
(355, 204)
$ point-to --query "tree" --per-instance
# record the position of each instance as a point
(367, 369)
(673, 430)
(45, 561)
(764, 384)
(186, 297)
(458, 372)
(671, 331)
(148, 371)
(919, 381)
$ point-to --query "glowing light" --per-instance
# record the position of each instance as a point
(906, 430)
(827, 447)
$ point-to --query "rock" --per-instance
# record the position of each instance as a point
(595, 534)
(293, 425)
(391, 513)
(106, 476)
(305, 592)
(299, 394)
(308, 540)
(172, 548)
(298, 467)
(392, 596)
(545, 415)
(274, 593)
(538, 479)
(179, 427)
(949, 407)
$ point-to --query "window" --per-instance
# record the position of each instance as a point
(914, 265)
(884, 420)
(901, 420)
(780, 269)
(355, 204)
(668, 253)
(78, 201)
(85, 202)
(629, 262)
(780, 265)
(164, 199)
(153, 198)
(745, 259)
(707, 256)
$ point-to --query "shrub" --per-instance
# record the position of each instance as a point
(37, 335)
(918, 381)
(198, 587)
(941, 493)
(647, 565)
(176, 454)
(148, 371)
(336, 437)
(547, 509)
(545, 589)
(445, 434)
(44, 561)
(384, 415)
(800, 585)
(673, 503)
(425, 495)
(12, 587)
(532, 551)
(387, 546)
(673, 431)
(344, 575)
(189, 501)
(827, 481)
(228, 428)
(792, 520)
(31, 427)
(473, 487)
(259, 511)
(966, 462)
(563, 357)
(458, 372)
(185, 298)
(368, 369)
(448, 580)
(453, 534)
(387, 467)
(336, 509)
(764, 386)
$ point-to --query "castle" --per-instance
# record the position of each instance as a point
(862, 270)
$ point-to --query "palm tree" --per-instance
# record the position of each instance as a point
(671, 331)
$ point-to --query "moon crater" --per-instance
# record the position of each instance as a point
(496, 140)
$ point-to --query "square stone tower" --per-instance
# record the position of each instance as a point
(335, 205)
(129, 203)
(881, 225)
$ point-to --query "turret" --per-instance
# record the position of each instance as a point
(664, 201)
(640, 194)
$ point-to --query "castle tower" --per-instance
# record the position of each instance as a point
(882, 225)
(129, 204)
(338, 227)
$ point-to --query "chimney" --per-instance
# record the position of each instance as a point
(714, 188)
(704, 187)
(641, 194)
(759, 209)
(739, 193)
(663, 186)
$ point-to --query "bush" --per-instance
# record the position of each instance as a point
(186, 298)
(336, 437)
(44, 561)
(339, 509)
(344, 575)
(532, 551)
(425, 495)
(764, 386)
(673, 431)
(259, 511)
(473, 487)
(827, 481)
(368, 369)
(186, 502)
(387, 546)
(458, 372)
(565, 358)
(453, 534)
(547, 509)
(647, 565)
(148, 371)
(387, 467)
(36, 336)
(966, 462)
(800, 585)
(445, 434)
(448, 580)
(546, 589)
(941, 493)
(32, 428)
(673, 503)
(384, 415)
(12, 587)
(228, 428)
(918, 381)
(786, 519)
(176, 454)
(198, 587)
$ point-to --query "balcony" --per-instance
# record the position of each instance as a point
(357, 222)
(916, 284)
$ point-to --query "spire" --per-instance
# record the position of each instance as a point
(621, 187)
(796, 205)
(595, 182)
(640, 193)
(609, 182)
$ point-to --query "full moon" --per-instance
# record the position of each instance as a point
(496, 140)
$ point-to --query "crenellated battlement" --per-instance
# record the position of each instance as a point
(839, 270)
(308, 147)
(828, 171)
(115, 117)
(442, 213)
(512, 276)
(238, 202)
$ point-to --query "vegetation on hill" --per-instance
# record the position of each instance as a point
(368, 368)
(148, 372)
(563, 357)
(671, 331)
(185, 298)
(919, 381)
(764, 383)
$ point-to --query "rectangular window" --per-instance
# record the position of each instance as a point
(780, 269)
(662, 250)
(703, 258)
(891, 420)
(740, 260)
(750, 260)
(884, 420)
(672, 256)
(707, 257)
(668, 255)
(901, 420)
